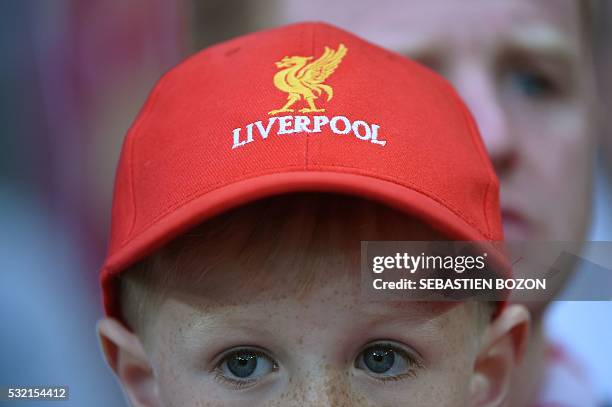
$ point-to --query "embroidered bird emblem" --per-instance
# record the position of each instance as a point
(304, 80)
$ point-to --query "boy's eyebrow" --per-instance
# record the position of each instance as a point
(206, 325)
(411, 310)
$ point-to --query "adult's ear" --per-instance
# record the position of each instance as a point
(502, 347)
(125, 354)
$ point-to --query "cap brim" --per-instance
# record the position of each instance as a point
(213, 203)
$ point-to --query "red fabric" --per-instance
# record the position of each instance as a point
(178, 167)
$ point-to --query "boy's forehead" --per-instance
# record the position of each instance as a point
(341, 297)
(233, 282)
(231, 261)
(334, 285)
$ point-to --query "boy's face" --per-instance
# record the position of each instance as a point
(290, 327)
(316, 345)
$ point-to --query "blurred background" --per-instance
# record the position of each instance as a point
(75, 72)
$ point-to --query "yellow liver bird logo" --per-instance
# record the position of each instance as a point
(306, 81)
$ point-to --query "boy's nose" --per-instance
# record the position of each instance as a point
(327, 387)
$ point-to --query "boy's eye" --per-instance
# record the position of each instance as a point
(379, 359)
(386, 361)
(245, 365)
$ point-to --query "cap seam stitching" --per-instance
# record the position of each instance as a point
(312, 50)
(135, 132)
(473, 133)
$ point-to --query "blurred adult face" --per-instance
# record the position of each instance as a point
(604, 68)
(520, 65)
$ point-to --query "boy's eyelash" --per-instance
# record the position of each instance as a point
(235, 350)
(237, 384)
(413, 360)
(409, 355)
(390, 379)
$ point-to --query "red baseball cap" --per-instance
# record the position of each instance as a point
(305, 107)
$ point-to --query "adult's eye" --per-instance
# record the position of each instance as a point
(245, 365)
(532, 84)
(386, 360)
